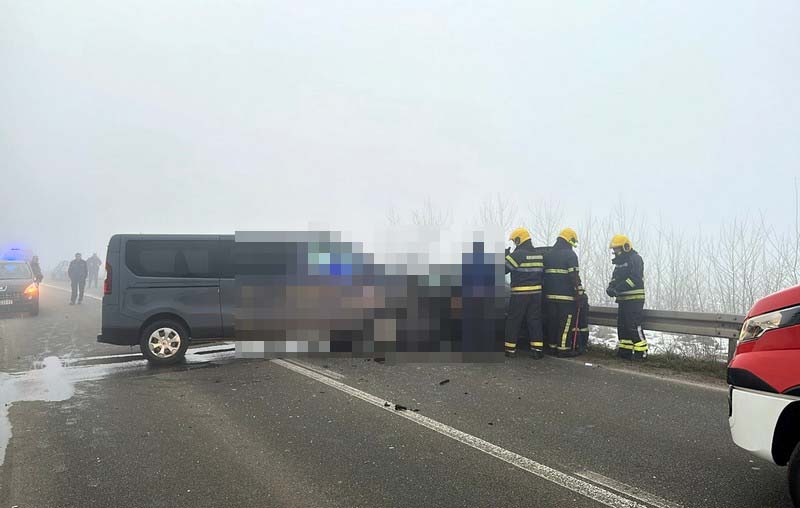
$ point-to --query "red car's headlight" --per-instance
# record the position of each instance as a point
(757, 326)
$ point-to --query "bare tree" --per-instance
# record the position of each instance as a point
(497, 212)
(393, 218)
(785, 248)
(594, 259)
(546, 220)
(431, 216)
(685, 269)
(737, 259)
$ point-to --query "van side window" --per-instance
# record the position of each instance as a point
(198, 261)
(152, 262)
(224, 260)
(171, 258)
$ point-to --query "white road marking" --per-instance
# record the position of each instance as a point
(204, 350)
(318, 370)
(223, 347)
(628, 490)
(561, 479)
(86, 295)
(78, 359)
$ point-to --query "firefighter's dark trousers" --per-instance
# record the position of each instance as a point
(632, 342)
(561, 325)
(524, 310)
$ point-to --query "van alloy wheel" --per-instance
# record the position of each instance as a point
(164, 342)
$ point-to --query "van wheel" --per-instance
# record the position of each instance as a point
(794, 476)
(164, 342)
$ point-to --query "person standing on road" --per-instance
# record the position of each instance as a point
(526, 266)
(479, 329)
(36, 269)
(627, 286)
(77, 272)
(561, 294)
(93, 265)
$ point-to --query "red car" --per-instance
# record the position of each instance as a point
(764, 379)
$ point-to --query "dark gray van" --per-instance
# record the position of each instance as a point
(164, 291)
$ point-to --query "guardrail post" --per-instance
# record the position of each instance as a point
(731, 349)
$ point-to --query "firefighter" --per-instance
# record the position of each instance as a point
(627, 286)
(525, 306)
(561, 294)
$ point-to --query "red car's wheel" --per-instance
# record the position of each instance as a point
(794, 476)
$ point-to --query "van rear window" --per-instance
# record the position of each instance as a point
(171, 258)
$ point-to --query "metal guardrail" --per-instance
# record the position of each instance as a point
(726, 326)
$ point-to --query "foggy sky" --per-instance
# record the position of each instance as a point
(187, 116)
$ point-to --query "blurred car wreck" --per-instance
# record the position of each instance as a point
(312, 294)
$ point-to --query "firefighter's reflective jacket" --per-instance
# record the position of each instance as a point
(526, 265)
(561, 279)
(627, 281)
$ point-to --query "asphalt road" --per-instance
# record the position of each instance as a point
(90, 428)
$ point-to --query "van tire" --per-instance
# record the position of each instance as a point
(794, 476)
(165, 335)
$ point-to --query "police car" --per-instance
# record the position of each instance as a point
(18, 290)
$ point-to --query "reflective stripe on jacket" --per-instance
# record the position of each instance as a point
(526, 265)
(627, 281)
(561, 279)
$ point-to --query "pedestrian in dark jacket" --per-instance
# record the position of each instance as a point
(36, 269)
(93, 264)
(77, 272)
(480, 322)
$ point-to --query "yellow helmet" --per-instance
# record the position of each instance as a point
(570, 236)
(519, 235)
(621, 242)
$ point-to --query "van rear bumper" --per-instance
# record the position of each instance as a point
(118, 337)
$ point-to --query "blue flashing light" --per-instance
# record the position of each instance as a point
(17, 253)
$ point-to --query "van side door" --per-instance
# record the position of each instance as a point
(175, 276)
(228, 296)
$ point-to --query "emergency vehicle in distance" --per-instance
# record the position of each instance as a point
(18, 289)
(764, 379)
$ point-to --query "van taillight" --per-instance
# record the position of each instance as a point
(107, 283)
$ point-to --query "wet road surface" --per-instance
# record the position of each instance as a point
(93, 425)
